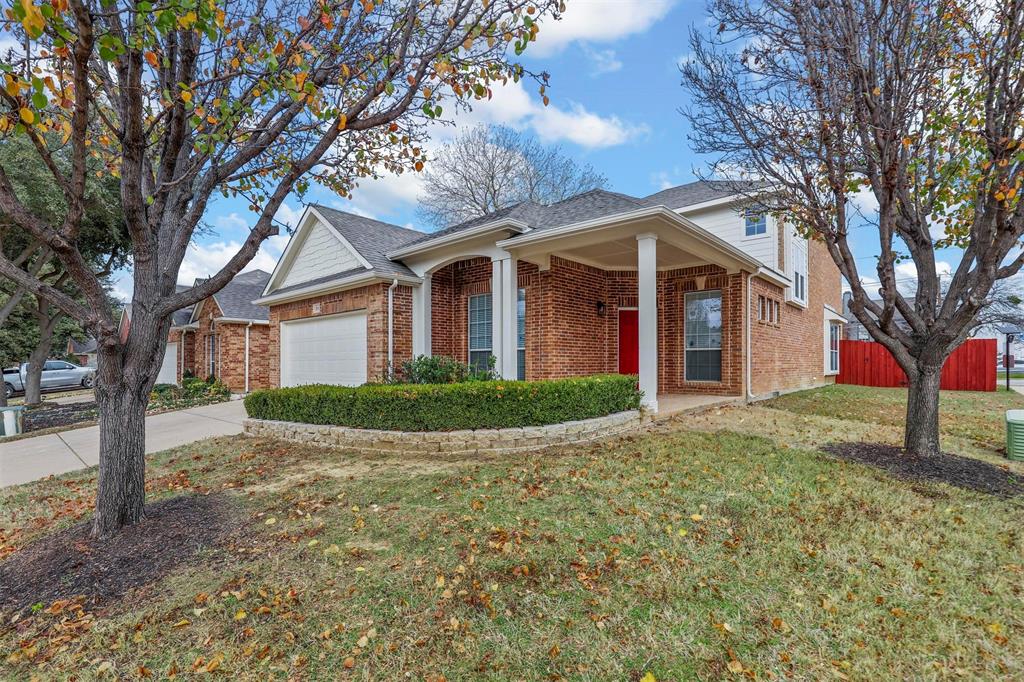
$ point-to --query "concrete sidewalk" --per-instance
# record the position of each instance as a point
(30, 459)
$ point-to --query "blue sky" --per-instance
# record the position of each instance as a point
(615, 99)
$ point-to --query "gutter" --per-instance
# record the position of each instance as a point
(352, 281)
(391, 326)
(239, 320)
(247, 328)
(746, 323)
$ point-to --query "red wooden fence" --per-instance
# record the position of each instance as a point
(971, 367)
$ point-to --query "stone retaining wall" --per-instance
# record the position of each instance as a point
(448, 442)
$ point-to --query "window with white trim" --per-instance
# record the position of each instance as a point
(835, 332)
(797, 269)
(756, 223)
(211, 355)
(521, 335)
(480, 331)
(769, 310)
(703, 336)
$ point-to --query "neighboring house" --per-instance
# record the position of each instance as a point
(685, 288)
(855, 331)
(84, 351)
(226, 336)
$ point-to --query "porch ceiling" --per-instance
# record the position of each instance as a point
(621, 254)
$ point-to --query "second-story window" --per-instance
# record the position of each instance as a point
(756, 224)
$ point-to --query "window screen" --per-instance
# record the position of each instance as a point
(480, 330)
(704, 336)
(834, 333)
(756, 224)
(521, 335)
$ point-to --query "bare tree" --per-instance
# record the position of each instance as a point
(186, 101)
(488, 168)
(918, 102)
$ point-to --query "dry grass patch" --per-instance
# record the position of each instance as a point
(685, 554)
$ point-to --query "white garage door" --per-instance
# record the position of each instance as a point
(169, 367)
(324, 350)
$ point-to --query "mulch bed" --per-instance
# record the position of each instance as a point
(50, 415)
(962, 472)
(70, 563)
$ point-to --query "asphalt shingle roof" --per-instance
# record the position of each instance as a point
(83, 347)
(371, 238)
(700, 191)
(237, 296)
(599, 203)
(587, 206)
(179, 318)
(319, 280)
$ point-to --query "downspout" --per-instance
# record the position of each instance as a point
(247, 327)
(746, 323)
(391, 326)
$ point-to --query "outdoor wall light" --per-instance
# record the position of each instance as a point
(600, 308)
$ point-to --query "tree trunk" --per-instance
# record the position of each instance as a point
(121, 489)
(36, 361)
(922, 430)
(124, 378)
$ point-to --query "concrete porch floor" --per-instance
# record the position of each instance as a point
(670, 405)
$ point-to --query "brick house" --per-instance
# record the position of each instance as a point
(226, 336)
(686, 288)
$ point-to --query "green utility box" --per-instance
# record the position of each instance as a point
(1015, 434)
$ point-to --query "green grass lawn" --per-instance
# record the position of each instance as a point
(693, 551)
(977, 417)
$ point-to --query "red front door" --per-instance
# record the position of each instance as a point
(629, 342)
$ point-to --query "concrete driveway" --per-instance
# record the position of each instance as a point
(30, 459)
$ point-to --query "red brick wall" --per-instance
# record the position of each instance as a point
(567, 336)
(450, 289)
(374, 300)
(230, 358)
(792, 354)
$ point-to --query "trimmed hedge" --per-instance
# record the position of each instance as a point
(449, 407)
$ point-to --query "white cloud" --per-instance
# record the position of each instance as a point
(582, 127)
(684, 59)
(598, 21)
(286, 215)
(375, 197)
(510, 105)
(604, 61)
(513, 106)
(231, 221)
(865, 202)
(204, 260)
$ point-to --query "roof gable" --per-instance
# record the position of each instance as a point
(329, 244)
(319, 252)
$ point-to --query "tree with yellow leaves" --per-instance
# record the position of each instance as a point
(188, 99)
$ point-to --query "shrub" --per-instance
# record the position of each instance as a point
(448, 407)
(439, 369)
(192, 392)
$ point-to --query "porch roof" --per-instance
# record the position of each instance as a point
(609, 242)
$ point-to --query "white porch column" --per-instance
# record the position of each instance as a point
(497, 316)
(421, 326)
(509, 335)
(647, 297)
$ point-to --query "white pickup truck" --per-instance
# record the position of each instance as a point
(56, 374)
